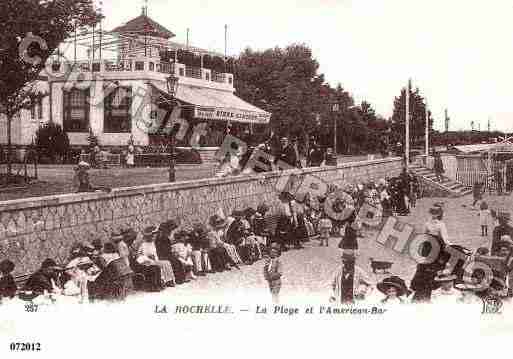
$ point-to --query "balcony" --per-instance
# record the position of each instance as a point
(144, 66)
(193, 72)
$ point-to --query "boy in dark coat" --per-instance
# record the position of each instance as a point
(273, 272)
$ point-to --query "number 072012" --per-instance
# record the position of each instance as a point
(25, 347)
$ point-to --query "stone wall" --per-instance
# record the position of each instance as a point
(33, 229)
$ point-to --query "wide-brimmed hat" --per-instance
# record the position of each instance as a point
(436, 211)
(168, 226)
(396, 282)
(348, 254)
(444, 276)
(97, 243)
(467, 287)
(262, 208)
(84, 164)
(79, 262)
(50, 263)
(6, 266)
(249, 212)
(237, 214)
(149, 231)
(181, 235)
(217, 221)
(116, 235)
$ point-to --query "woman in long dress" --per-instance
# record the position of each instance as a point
(147, 255)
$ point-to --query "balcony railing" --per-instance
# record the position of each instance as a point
(166, 68)
(114, 65)
(218, 77)
(194, 72)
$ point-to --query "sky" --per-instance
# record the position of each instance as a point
(458, 53)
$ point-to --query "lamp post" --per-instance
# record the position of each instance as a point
(335, 109)
(172, 88)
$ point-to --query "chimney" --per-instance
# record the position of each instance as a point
(144, 11)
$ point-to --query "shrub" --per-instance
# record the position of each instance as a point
(51, 142)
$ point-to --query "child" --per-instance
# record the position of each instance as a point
(273, 272)
(7, 284)
(485, 218)
(477, 192)
(324, 227)
(394, 290)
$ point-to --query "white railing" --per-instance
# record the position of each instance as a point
(139, 65)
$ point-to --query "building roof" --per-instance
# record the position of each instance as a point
(144, 25)
(505, 146)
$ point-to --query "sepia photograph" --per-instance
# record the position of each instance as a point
(294, 177)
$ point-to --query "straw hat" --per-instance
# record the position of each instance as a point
(216, 221)
(396, 282)
(149, 231)
(445, 276)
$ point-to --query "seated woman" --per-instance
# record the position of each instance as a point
(46, 279)
(8, 286)
(109, 253)
(218, 227)
(75, 279)
(114, 282)
(235, 235)
(147, 256)
(182, 252)
(199, 243)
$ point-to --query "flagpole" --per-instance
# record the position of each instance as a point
(407, 124)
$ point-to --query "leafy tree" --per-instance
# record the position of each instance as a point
(284, 82)
(51, 141)
(417, 118)
(24, 21)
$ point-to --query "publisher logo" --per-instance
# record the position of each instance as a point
(492, 305)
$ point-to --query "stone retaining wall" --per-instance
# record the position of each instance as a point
(33, 229)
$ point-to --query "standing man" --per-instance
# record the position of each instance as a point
(286, 154)
(499, 174)
(315, 155)
(438, 167)
(351, 282)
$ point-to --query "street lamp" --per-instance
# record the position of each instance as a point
(335, 108)
(172, 89)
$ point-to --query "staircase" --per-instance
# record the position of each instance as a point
(448, 186)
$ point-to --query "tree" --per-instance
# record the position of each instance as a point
(417, 118)
(284, 82)
(31, 32)
(51, 141)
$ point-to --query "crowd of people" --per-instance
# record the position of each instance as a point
(171, 254)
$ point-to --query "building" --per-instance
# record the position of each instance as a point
(127, 98)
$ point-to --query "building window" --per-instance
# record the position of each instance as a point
(117, 113)
(207, 76)
(40, 108)
(181, 72)
(76, 110)
(139, 66)
(152, 66)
